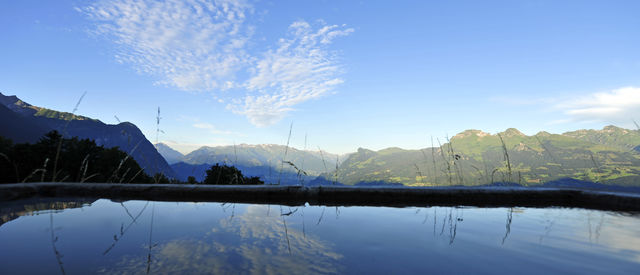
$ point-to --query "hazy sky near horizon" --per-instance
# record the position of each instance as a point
(347, 74)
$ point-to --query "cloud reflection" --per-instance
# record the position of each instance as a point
(253, 242)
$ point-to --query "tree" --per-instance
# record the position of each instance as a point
(228, 175)
(192, 180)
(79, 160)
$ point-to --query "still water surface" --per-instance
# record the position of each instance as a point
(139, 237)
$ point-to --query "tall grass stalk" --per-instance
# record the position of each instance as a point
(15, 167)
(433, 159)
(426, 163)
(596, 166)
(506, 157)
(286, 150)
(42, 170)
(64, 132)
(446, 161)
(326, 170)
(301, 178)
(335, 180)
(235, 153)
(454, 159)
(299, 172)
(546, 150)
(419, 173)
(159, 175)
(480, 179)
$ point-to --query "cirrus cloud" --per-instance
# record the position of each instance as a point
(193, 45)
(300, 69)
(202, 45)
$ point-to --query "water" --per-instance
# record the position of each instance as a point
(139, 237)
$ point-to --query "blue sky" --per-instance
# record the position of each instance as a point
(347, 74)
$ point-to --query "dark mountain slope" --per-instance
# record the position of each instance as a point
(18, 128)
(125, 135)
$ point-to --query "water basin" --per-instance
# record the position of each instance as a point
(140, 237)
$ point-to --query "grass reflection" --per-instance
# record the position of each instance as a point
(117, 237)
(252, 241)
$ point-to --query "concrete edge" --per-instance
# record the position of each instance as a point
(334, 195)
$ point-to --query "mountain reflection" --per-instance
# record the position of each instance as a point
(11, 210)
(140, 237)
(253, 242)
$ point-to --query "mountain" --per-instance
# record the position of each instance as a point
(611, 136)
(312, 163)
(269, 175)
(474, 157)
(169, 154)
(264, 161)
(185, 170)
(27, 123)
(18, 128)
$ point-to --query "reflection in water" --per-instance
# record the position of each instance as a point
(508, 225)
(286, 232)
(123, 229)
(547, 229)
(449, 221)
(151, 245)
(253, 242)
(599, 227)
(10, 210)
(54, 239)
(321, 215)
(188, 238)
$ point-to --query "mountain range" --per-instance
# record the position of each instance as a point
(263, 160)
(22, 122)
(607, 156)
(473, 157)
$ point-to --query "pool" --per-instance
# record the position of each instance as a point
(73, 236)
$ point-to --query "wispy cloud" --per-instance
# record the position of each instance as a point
(213, 130)
(200, 45)
(193, 45)
(300, 69)
(615, 106)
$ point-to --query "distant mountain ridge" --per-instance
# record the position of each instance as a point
(36, 121)
(170, 155)
(611, 136)
(473, 157)
(262, 160)
(264, 155)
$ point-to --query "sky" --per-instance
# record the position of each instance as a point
(341, 74)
